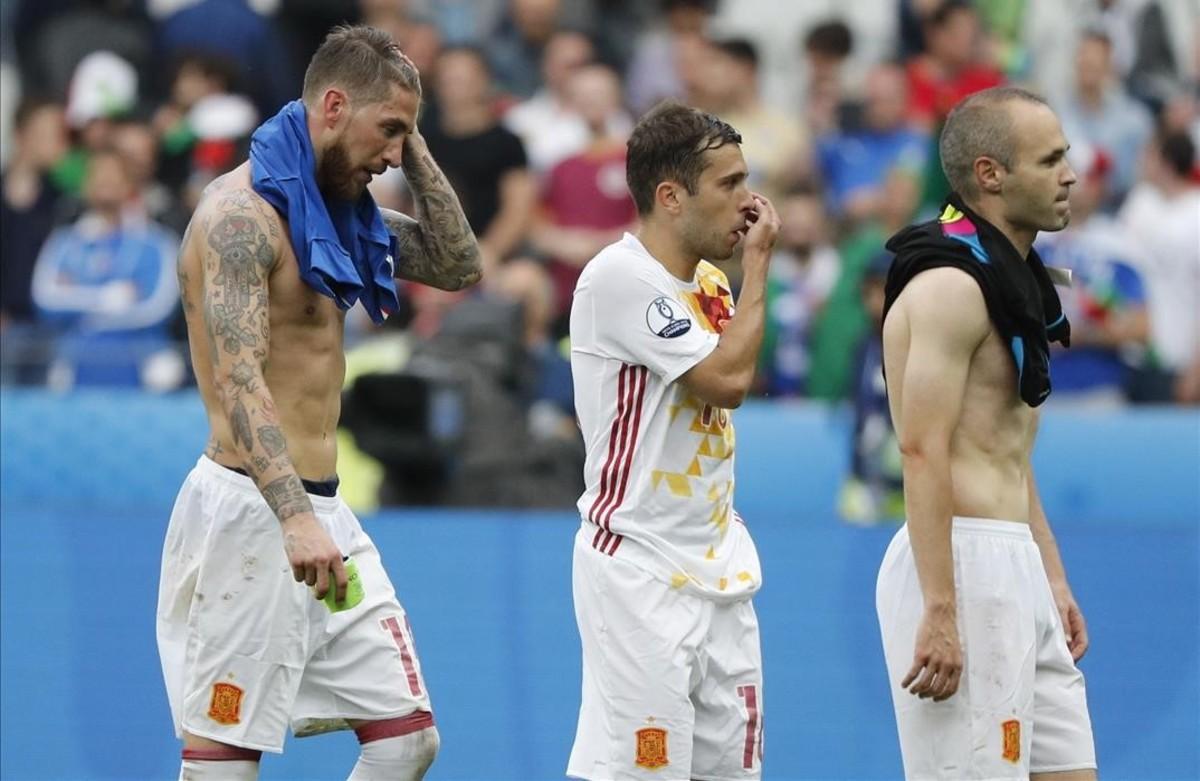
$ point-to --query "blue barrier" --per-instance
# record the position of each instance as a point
(489, 597)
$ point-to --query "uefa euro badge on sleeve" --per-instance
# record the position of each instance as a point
(664, 318)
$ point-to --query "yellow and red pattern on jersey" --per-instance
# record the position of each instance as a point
(711, 426)
(713, 302)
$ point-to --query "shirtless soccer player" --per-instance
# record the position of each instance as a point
(980, 629)
(664, 569)
(277, 250)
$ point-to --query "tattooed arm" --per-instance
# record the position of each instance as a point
(240, 245)
(438, 248)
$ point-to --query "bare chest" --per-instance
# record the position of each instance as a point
(302, 318)
(993, 415)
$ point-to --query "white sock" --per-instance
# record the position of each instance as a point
(401, 758)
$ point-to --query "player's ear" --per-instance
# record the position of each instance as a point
(667, 196)
(335, 104)
(989, 174)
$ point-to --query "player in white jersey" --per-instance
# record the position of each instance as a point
(664, 569)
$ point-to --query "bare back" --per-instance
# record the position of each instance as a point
(991, 433)
(298, 336)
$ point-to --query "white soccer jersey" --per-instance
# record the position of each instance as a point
(659, 469)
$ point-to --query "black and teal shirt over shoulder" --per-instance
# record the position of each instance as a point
(1021, 300)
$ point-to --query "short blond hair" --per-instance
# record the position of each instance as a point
(363, 61)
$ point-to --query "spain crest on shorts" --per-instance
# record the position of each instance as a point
(226, 705)
(1012, 740)
(651, 748)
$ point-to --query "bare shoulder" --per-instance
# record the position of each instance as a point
(233, 219)
(945, 303)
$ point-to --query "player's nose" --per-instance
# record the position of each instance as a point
(393, 153)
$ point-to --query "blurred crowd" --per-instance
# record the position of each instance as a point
(117, 113)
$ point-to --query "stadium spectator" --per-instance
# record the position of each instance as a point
(1160, 216)
(548, 125)
(842, 324)
(107, 284)
(194, 77)
(856, 162)
(516, 48)
(874, 489)
(1165, 56)
(137, 144)
(1099, 112)
(29, 203)
(777, 31)
(1106, 301)
(804, 267)
(234, 30)
(103, 89)
(654, 68)
(827, 47)
(585, 204)
(951, 67)
(485, 162)
(776, 147)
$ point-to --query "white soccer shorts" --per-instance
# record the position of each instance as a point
(672, 682)
(1021, 706)
(247, 651)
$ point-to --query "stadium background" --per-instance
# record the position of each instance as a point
(88, 474)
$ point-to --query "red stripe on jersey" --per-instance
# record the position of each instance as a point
(616, 544)
(639, 384)
(624, 413)
(596, 539)
(612, 449)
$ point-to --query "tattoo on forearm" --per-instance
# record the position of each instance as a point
(260, 465)
(439, 248)
(271, 438)
(239, 421)
(286, 497)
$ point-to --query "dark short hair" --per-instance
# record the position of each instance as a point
(980, 125)
(945, 10)
(739, 49)
(212, 66)
(363, 61)
(669, 143)
(832, 38)
(1178, 152)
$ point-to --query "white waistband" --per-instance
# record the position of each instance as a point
(992, 526)
(211, 469)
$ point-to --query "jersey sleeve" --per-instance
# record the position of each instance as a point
(638, 318)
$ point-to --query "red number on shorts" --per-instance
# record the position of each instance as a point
(392, 625)
(749, 693)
